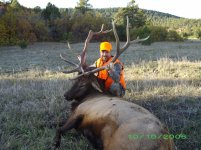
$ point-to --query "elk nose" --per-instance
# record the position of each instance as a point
(67, 97)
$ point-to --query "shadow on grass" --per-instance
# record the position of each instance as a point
(26, 104)
(152, 83)
(181, 113)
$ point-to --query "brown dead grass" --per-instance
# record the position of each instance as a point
(164, 78)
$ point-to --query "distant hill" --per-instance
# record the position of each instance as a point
(109, 12)
(157, 14)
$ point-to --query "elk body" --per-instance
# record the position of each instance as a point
(110, 122)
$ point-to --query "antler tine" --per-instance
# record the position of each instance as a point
(101, 31)
(89, 37)
(79, 58)
(139, 40)
(72, 50)
(117, 42)
(72, 63)
(90, 72)
(126, 45)
(71, 71)
(80, 66)
(119, 50)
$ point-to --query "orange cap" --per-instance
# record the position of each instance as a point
(105, 46)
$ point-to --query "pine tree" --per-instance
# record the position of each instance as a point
(15, 4)
(136, 15)
(83, 6)
(51, 12)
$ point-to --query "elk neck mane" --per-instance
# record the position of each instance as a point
(91, 93)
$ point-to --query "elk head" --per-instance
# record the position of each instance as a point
(83, 86)
(86, 79)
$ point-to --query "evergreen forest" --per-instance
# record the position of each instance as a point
(22, 26)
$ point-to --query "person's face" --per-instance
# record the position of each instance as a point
(105, 55)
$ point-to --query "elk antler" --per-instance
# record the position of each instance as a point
(128, 42)
(82, 57)
(119, 50)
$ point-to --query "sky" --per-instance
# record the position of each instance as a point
(181, 8)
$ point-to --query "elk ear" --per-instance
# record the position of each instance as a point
(96, 85)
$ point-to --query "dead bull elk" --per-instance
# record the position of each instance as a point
(108, 121)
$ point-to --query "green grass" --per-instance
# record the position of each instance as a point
(165, 78)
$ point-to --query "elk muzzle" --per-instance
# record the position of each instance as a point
(68, 97)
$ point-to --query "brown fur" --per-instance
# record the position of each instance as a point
(112, 121)
(108, 121)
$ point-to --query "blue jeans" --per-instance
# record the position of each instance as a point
(117, 89)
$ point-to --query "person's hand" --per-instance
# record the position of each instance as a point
(110, 66)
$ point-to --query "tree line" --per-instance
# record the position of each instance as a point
(21, 25)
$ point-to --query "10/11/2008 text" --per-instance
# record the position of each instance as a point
(157, 136)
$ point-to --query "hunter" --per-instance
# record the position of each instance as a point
(113, 76)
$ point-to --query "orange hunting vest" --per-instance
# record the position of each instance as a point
(103, 74)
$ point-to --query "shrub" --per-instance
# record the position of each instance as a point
(25, 31)
(70, 36)
(40, 30)
(4, 37)
(158, 33)
(198, 33)
(23, 44)
(142, 32)
(173, 36)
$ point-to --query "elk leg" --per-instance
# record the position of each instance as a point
(95, 141)
(70, 124)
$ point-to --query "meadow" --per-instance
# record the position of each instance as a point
(164, 77)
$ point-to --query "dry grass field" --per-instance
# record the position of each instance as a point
(165, 78)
